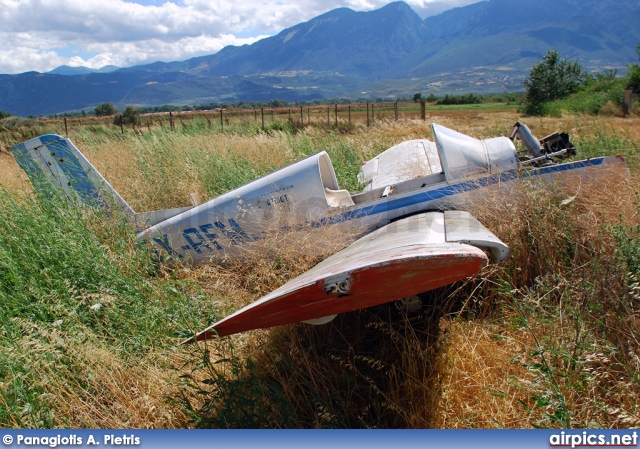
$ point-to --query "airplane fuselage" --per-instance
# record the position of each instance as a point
(219, 228)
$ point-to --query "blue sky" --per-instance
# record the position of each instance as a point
(41, 35)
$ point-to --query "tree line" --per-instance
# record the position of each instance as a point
(130, 112)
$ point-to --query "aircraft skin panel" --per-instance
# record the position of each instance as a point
(463, 227)
(218, 228)
(405, 258)
(463, 156)
(402, 162)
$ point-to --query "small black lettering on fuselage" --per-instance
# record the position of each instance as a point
(277, 199)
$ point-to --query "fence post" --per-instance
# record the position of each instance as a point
(221, 123)
(423, 112)
(336, 111)
(368, 123)
(66, 130)
(372, 113)
(171, 119)
(626, 105)
(349, 113)
(301, 117)
(262, 113)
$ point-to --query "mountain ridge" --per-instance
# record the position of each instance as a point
(80, 70)
(485, 46)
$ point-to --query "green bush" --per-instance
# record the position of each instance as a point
(461, 99)
(130, 116)
(633, 75)
(551, 79)
(105, 109)
(591, 100)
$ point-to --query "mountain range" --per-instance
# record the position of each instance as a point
(487, 46)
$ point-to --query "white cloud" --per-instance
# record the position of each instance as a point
(432, 7)
(43, 34)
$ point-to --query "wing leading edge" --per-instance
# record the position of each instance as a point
(406, 257)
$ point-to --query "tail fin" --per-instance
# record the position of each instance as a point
(53, 163)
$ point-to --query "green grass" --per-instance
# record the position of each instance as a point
(76, 289)
(603, 140)
(464, 107)
(605, 96)
(70, 277)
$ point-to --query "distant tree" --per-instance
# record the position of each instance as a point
(633, 75)
(417, 97)
(551, 79)
(105, 109)
(431, 98)
(4, 114)
(130, 116)
(277, 103)
(470, 98)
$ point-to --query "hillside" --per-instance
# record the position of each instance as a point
(482, 47)
(517, 34)
(341, 41)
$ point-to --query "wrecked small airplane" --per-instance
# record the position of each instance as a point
(415, 234)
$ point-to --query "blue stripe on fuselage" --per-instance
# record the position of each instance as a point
(390, 205)
(442, 192)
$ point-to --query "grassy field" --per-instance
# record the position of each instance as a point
(90, 326)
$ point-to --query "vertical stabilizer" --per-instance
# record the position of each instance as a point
(54, 164)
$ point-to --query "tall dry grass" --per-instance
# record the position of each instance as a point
(86, 384)
(539, 357)
(523, 345)
(549, 338)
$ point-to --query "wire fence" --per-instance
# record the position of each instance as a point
(320, 115)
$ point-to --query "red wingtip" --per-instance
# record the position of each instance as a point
(205, 335)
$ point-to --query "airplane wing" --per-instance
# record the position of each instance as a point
(409, 256)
